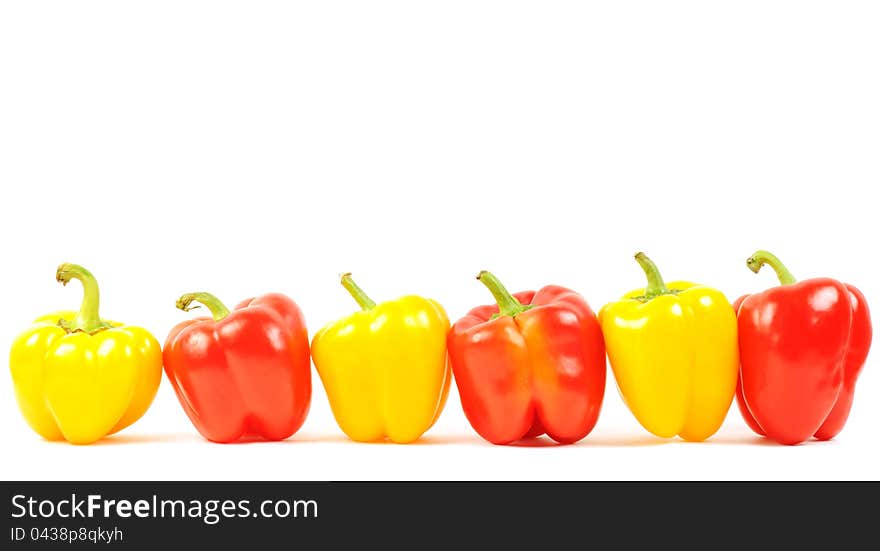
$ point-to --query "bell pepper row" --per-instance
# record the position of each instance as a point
(531, 364)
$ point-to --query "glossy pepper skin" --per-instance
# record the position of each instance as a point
(802, 347)
(245, 374)
(384, 368)
(532, 364)
(80, 378)
(673, 350)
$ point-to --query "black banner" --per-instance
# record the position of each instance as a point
(144, 514)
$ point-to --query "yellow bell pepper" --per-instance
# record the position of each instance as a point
(80, 378)
(385, 368)
(674, 353)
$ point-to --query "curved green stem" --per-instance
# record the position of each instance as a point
(656, 285)
(761, 257)
(217, 308)
(365, 302)
(87, 319)
(507, 303)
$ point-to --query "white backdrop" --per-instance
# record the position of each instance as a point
(244, 147)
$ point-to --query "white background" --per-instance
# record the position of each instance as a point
(245, 147)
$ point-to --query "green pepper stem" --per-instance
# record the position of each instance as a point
(87, 319)
(761, 257)
(507, 303)
(217, 308)
(656, 286)
(365, 302)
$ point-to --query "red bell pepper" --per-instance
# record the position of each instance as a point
(246, 374)
(802, 347)
(532, 364)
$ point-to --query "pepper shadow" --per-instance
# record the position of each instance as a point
(429, 440)
(129, 439)
(536, 442)
(752, 440)
(624, 441)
